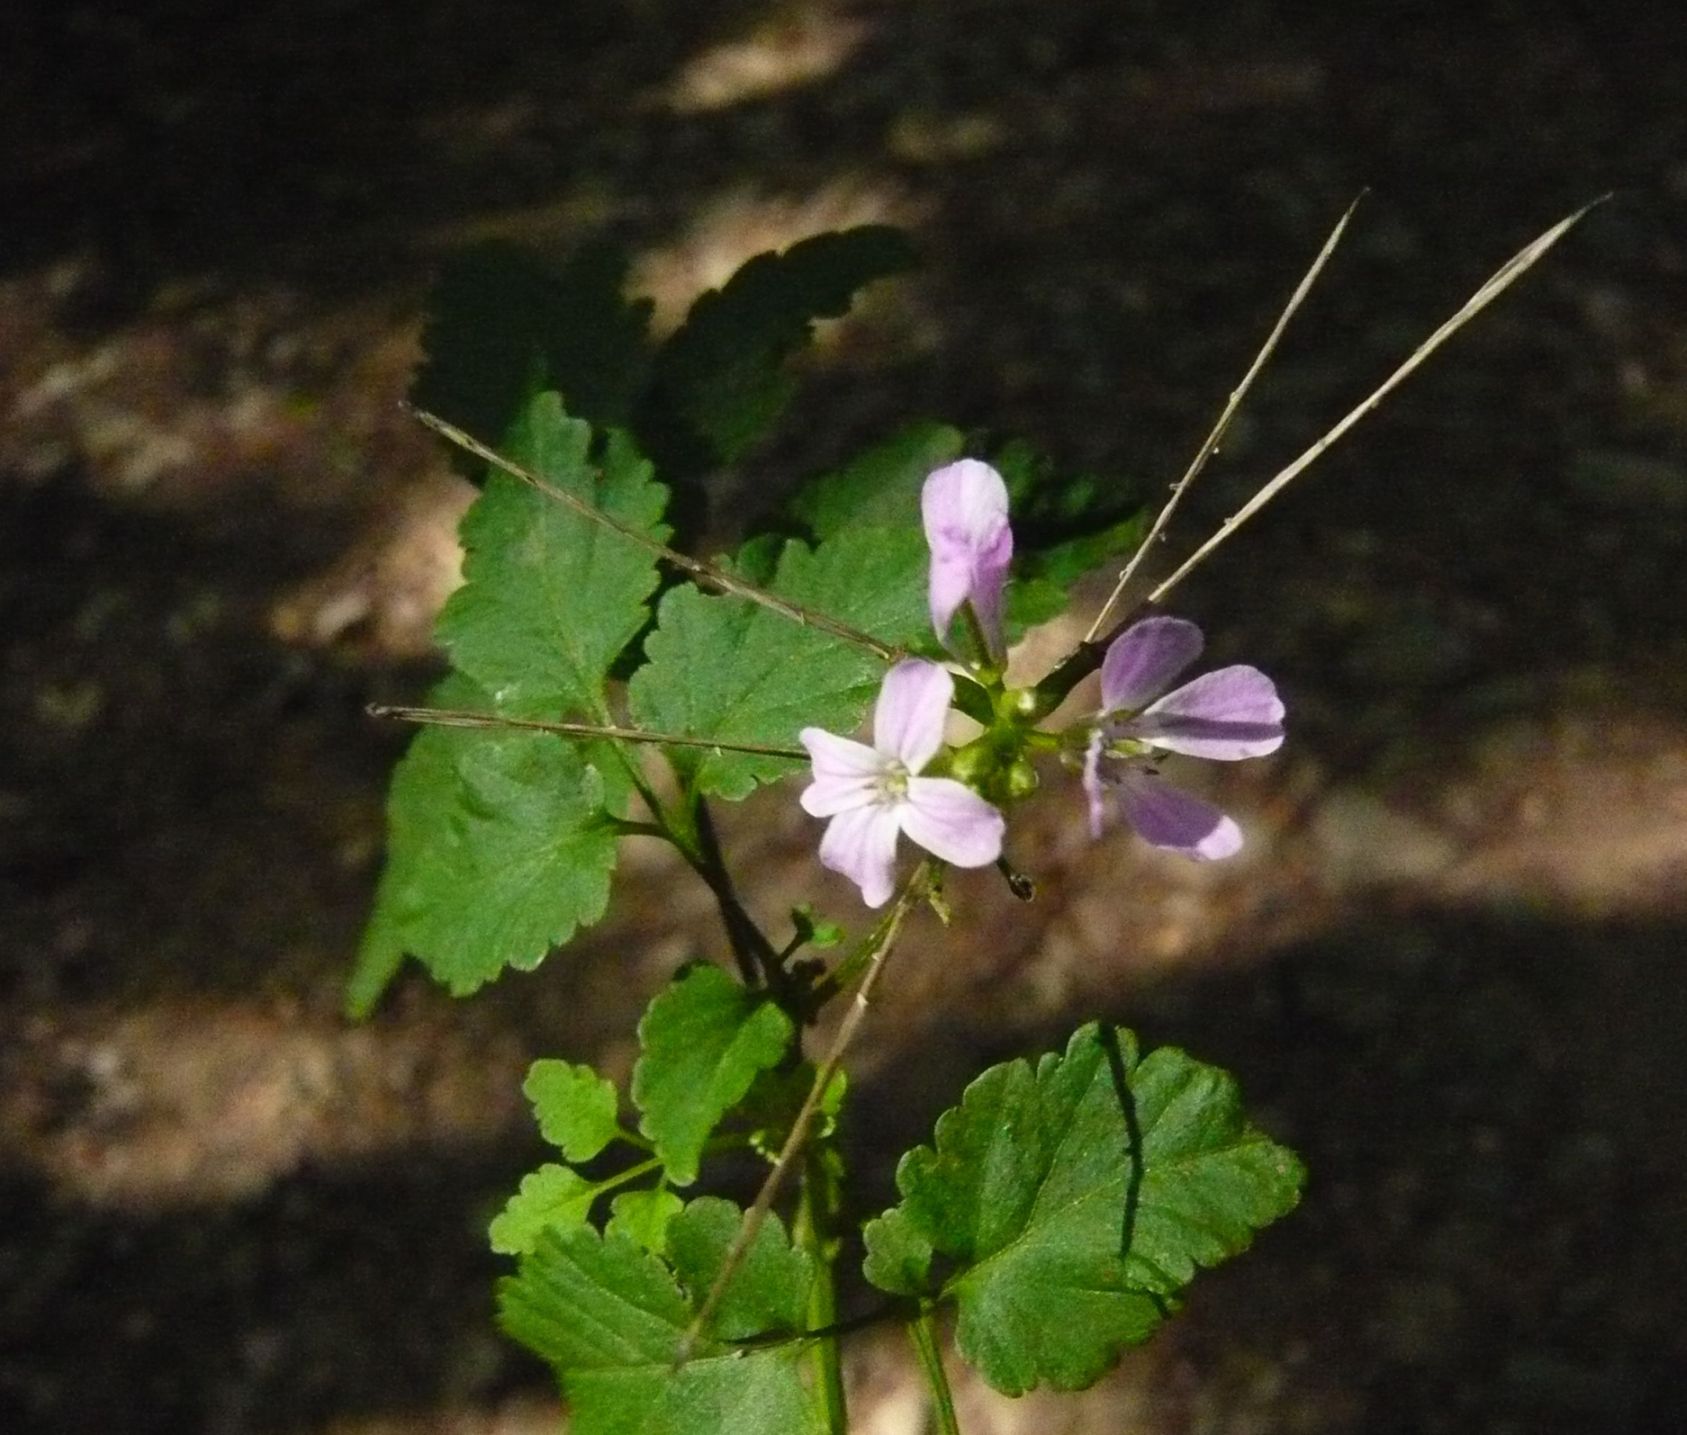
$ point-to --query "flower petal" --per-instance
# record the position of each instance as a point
(912, 710)
(1144, 660)
(953, 822)
(1093, 788)
(1229, 714)
(861, 844)
(1167, 817)
(847, 774)
(965, 509)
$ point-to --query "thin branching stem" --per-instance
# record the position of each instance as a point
(1215, 437)
(798, 1135)
(581, 731)
(1086, 657)
(707, 574)
(1496, 284)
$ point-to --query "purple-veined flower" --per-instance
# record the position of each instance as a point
(873, 794)
(965, 509)
(1227, 714)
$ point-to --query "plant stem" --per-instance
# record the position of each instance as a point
(706, 574)
(917, 888)
(924, 1331)
(1087, 656)
(815, 1230)
(748, 940)
(1209, 445)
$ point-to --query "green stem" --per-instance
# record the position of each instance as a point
(620, 1178)
(816, 1232)
(924, 1330)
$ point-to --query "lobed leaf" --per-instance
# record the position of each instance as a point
(1074, 1201)
(644, 1216)
(723, 668)
(551, 1198)
(609, 1315)
(549, 597)
(498, 849)
(703, 1042)
(575, 1107)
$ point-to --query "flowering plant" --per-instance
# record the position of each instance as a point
(1060, 1210)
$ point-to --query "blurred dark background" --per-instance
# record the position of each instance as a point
(1448, 967)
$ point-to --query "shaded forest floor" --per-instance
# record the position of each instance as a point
(1448, 967)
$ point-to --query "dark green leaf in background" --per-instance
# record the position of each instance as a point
(502, 324)
(720, 381)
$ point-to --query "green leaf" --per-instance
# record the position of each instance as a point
(1074, 1202)
(644, 1216)
(703, 1040)
(575, 1107)
(720, 381)
(770, 1109)
(502, 325)
(610, 1316)
(769, 1290)
(879, 487)
(498, 848)
(549, 597)
(722, 668)
(551, 1198)
(898, 1257)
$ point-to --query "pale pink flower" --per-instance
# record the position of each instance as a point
(965, 509)
(873, 794)
(1228, 714)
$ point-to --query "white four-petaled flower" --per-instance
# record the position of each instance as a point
(873, 794)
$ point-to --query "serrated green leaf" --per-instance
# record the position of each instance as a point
(769, 1290)
(898, 1257)
(644, 1216)
(1069, 1244)
(551, 1198)
(610, 1317)
(498, 849)
(502, 324)
(879, 487)
(549, 597)
(720, 381)
(574, 1106)
(703, 1039)
(723, 668)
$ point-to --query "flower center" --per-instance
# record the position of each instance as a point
(893, 782)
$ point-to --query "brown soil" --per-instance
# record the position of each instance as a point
(1448, 967)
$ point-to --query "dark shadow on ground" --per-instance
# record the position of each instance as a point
(1488, 1108)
